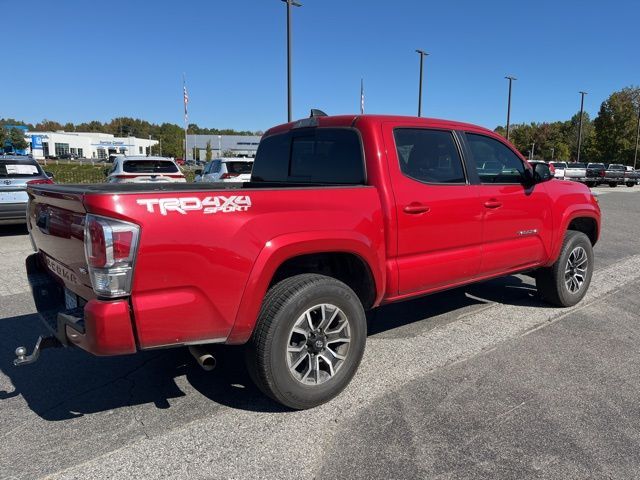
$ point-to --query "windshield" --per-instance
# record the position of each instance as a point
(559, 165)
(595, 165)
(149, 166)
(14, 168)
(239, 167)
(616, 167)
(577, 165)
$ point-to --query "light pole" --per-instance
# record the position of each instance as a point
(582, 94)
(422, 54)
(553, 150)
(289, 4)
(511, 79)
(533, 149)
(635, 155)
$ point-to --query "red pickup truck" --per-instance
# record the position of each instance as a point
(342, 214)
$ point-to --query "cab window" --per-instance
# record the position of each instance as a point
(495, 162)
(429, 156)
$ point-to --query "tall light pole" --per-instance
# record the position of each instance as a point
(582, 94)
(511, 79)
(422, 54)
(533, 149)
(289, 3)
(553, 150)
(635, 155)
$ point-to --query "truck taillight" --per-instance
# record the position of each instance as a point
(40, 181)
(110, 248)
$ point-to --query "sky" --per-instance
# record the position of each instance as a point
(76, 61)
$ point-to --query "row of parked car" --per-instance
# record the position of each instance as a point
(137, 169)
(594, 174)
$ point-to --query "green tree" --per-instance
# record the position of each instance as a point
(615, 126)
(3, 138)
(16, 136)
(208, 152)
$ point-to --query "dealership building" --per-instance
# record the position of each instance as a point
(84, 144)
(221, 145)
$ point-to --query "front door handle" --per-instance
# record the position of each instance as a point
(492, 204)
(416, 208)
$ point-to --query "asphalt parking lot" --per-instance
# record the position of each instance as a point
(479, 382)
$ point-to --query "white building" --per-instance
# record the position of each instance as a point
(234, 145)
(84, 144)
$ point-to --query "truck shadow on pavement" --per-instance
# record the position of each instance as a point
(69, 383)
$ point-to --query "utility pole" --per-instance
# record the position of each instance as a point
(582, 94)
(511, 79)
(289, 3)
(422, 54)
(635, 155)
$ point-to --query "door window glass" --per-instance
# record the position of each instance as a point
(429, 156)
(495, 162)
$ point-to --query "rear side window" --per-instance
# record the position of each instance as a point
(19, 169)
(149, 166)
(322, 155)
(429, 156)
(239, 167)
(495, 162)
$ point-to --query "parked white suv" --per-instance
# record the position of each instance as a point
(226, 170)
(142, 169)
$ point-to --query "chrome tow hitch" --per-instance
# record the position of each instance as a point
(43, 342)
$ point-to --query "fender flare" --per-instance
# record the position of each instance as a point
(284, 247)
(569, 215)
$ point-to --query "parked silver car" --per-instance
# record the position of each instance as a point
(226, 170)
(16, 172)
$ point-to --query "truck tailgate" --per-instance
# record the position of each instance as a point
(56, 224)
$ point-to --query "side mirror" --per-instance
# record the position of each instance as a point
(198, 172)
(49, 174)
(541, 173)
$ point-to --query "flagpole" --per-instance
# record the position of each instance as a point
(361, 96)
(184, 99)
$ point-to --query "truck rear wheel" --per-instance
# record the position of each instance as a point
(308, 342)
(613, 184)
(565, 283)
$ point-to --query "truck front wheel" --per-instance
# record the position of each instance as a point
(308, 342)
(565, 283)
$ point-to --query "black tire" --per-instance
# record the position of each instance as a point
(613, 184)
(551, 281)
(630, 184)
(267, 352)
(590, 184)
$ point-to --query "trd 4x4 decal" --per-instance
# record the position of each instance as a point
(218, 204)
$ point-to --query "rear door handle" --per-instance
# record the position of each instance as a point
(492, 204)
(416, 208)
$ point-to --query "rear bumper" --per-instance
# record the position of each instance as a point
(13, 213)
(99, 327)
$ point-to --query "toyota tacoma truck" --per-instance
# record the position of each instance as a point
(342, 214)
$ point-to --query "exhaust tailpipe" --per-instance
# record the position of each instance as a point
(203, 357)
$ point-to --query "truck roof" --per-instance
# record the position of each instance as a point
(351, 120)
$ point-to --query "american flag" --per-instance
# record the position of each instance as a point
(186, 100)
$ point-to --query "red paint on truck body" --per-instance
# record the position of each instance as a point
(201, 278)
